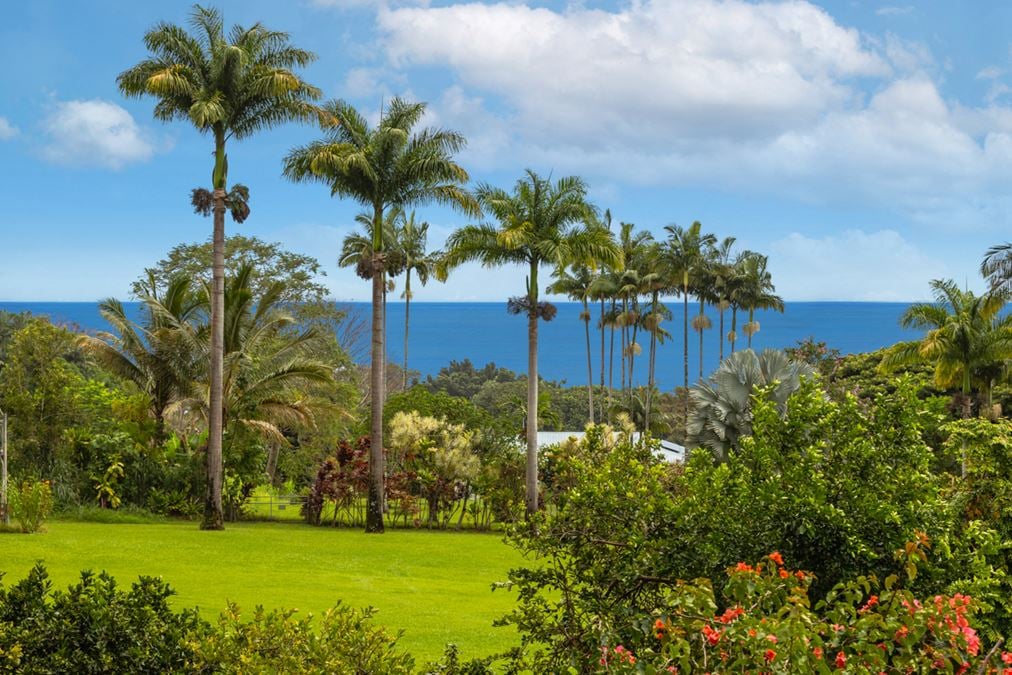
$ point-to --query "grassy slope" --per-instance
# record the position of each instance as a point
(433, 585)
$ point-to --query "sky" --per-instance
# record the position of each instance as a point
(865, 146)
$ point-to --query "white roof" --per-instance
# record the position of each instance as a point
(666, 450)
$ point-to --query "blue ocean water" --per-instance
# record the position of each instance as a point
(484, 332)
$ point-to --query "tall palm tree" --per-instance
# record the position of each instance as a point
(393, 164)
(722, 269)
(757, 291)
(631, 283)
(229, 86)
(412, 243)
(578, 284)
(156, 353)
(538, 223)
(685, 255)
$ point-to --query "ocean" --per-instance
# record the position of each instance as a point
(484, 332)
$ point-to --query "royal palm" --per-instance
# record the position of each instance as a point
(538, 223)
(229, 86)
(390, 165)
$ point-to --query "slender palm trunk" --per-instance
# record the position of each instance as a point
(652, 360)
(623, 340)
(720, 336)
(374, 506)
(532, 393)
(685, 337)
(751, 325)
(407, 315)
(702, 314)
(602, 394)
(214, 518)
(611, 356)
(734, 327)
(590, 367)
(632, 347)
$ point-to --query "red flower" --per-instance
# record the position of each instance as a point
(770, 655)
(742, 567)
(712, 636)
(901, 633)
(777, 558)
(784, 574)
(817, 652)
(841, 660)
(1006, 657)
(872, 601)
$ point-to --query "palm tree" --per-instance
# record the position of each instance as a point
(412, 239)
(390, 165)
(997, 267)
(722, 269)
(967, 338)
(721, 411)
(578, 284)
(631, 283)
(229, 86)
(539, 223)
(757, 291)
(156, 354)
(685, 254)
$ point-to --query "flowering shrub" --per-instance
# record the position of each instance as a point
(31, 503)
(765, 622)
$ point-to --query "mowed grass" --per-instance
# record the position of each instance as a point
(436, 586)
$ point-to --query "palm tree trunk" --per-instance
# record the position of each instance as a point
(407, 315)
(720, 337)
(751, 321)
(590, 367)
(624, 340)
(651, 360)
(632, 349)
(377, 372)
(214, 517)
(611, 356)
(685, 334)
(532, 393)
(702, 313)
(602, 394)
(734, 326)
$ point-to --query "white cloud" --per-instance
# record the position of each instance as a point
(94, 132)
(989, 73)
(854, 265)
(893, 10)
(768, 97)
(7, 130)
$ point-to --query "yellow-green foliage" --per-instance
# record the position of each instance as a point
(447, 450)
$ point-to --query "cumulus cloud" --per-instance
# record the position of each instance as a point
(877, 266)
(7, 130)
(771, 97)
(94, 132)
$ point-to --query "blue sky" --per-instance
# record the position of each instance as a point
(865, 146)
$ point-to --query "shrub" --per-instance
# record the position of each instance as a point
(93, 627)
(31, 502)
(345, 641)
(764, 622)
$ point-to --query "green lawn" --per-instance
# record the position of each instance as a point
(433, 585)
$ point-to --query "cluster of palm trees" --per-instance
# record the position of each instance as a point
(231, 85)
(686, 263)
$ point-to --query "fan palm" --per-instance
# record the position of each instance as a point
(390, 165)
(229, 86)
(539, 223)
(685, 255)
(721, 410)
(997, 267)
